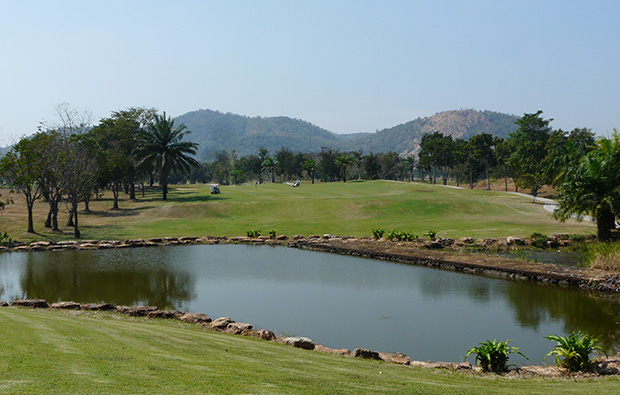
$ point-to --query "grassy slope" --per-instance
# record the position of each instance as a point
(350, 208)
(44, 351)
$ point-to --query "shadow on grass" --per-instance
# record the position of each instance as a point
(121, 212)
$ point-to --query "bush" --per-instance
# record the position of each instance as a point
(539, 240)
(493, 355)
(573, 351)
(253, 233)
(5, 239)
(432, 234)
(273, 233)
(378, 233)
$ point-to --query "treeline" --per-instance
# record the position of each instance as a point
(532, 156)
(328, 165)
(72, 162)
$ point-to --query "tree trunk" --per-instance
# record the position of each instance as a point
(488, 180)
(70, 220)
(55, 217)
(115, 191)
(132, 189)
(605, 222)
(76, 231)
(48, 220)
(30, 220)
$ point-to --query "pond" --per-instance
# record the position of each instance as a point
(338, 301)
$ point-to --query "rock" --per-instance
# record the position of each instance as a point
(261, 334)
(135, 242)
(156, 240)
(514, 241)
(164, 314)
(136, 311)
(40, 244)
(169, 239)
(220, 324)
(341, 351)
(281, 237)
(449, 365)
(606, 366)
(236, 328)
(299, 342)
(98, 307)
(466, 240)
(299, 237)
(433, 244)
(188, 239)
(240, 238)
(195, 318)
(35, 303)
(395, 357)
(66, 305)
(22, 248)
(365, 353)
(3, 303)
(67, 243)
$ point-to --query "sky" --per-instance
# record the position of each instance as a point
(346, 66)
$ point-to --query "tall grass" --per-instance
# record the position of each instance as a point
(604, 256)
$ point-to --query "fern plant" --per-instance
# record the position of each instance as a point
(493, 355)
(573, 351)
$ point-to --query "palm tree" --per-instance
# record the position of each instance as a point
(343, 161)
(161, 145)
(592, 187)
(270, 164)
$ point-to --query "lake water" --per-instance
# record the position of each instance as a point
(338, 301)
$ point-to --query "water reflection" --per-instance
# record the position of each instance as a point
(339, 301)
(134, 277)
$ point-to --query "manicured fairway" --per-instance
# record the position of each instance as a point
(351, 208)
(60, 352)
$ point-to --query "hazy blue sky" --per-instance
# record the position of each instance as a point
(347, 66)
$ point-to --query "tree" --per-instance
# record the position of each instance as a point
(79, 176)
(343, 160)
(51, 175)
(528, 145)
(21, 166)
(162, 145)
(481, 146)
(310, 167)
(270, 164)
(592, 187)
(563, 149)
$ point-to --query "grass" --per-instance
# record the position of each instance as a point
(351, 208)
(47, 351)
(604, 256)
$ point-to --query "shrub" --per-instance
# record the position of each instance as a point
(539, 240)
(432, 234)
(253, 233)
(577, 238)
(493, 355)
(573, 351)
(378, 233)
(5, 239)
(273, 233)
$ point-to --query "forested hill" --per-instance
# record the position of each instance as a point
(216, 131)
(405, 138)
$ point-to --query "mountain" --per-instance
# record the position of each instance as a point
(405, 138)
(215, 131)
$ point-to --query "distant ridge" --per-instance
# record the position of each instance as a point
(215, 131)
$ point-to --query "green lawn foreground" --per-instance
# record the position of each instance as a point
(51, 351)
